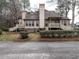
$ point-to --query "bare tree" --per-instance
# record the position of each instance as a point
(14, 11)
(25, 4)
(73, 11)
(63, 6)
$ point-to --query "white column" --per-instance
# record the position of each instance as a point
(34, 23)
(41, 15)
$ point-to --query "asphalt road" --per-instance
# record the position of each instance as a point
(39, 50)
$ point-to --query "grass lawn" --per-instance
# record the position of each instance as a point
(9, 36)
(34, 36)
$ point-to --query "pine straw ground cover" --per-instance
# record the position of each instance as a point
(59, 39)
(34, 36)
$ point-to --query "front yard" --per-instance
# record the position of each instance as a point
(40, 36)
(6, 36)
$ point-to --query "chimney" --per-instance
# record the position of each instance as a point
(41, 15)
(24, 14)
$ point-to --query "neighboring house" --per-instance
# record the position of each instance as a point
(42, 20)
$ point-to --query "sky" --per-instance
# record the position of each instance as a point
(35, 5)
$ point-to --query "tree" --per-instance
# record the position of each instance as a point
(3, 8)
(73, 11)
(10, 10)
(3, 4)
(25, 4)
(74, 4)
(63, 6)
(14, 11)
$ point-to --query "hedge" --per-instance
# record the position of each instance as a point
(0, 32)
(24, 35)
(61, 33)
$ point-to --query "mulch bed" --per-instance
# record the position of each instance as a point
(50, 39)
(60, 39)
(21, 40)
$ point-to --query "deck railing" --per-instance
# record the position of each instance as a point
(54, 25)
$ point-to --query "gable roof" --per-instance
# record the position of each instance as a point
(32, 15)
(35, 15)
(50, 14)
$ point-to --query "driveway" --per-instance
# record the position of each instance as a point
(39, 50)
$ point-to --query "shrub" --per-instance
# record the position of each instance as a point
(44, 34)
(18, 30)
(3, 28)
(9, 37)
(59, 34)
(24, 35)
(0, 32)
(56, 35)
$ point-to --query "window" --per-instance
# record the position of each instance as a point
(29, 24)
(46, 24)
(65, 24)
(26, 24)
(32, 24)
(37, 23)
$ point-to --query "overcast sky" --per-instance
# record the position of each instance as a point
(35, 4)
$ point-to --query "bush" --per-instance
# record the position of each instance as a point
(10, 37)
(24, 35)
(59, 34)
(0, 32)
(3, 28)
(18, 30)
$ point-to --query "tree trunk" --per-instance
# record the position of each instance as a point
(73, 12)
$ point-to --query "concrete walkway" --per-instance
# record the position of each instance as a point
(39, 50)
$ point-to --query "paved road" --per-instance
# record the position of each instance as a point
(39, 50)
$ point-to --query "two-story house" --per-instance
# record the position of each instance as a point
(42, 20)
